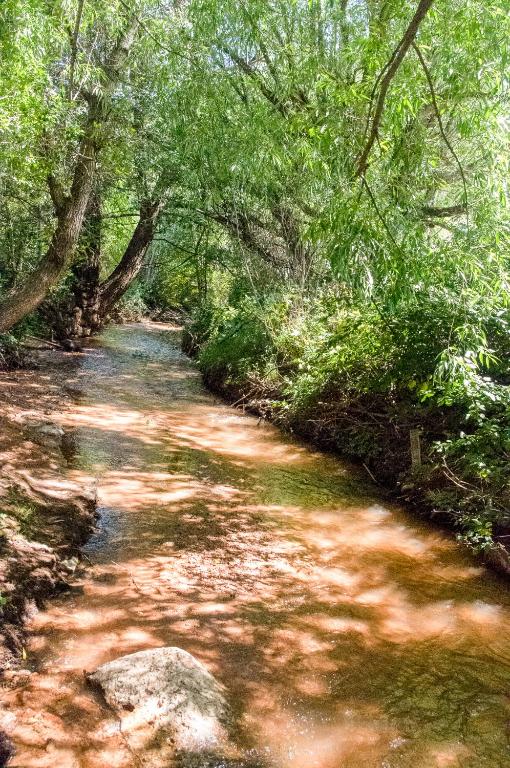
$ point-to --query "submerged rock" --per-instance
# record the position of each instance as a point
(45, 433)
(167, 702)
(71, 345)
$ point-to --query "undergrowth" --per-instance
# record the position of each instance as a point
(356, 380)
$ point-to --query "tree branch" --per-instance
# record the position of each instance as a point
(252, 73)
(57, 193)
(441, 213)
(162, 46)
(74, 48)
(441, 127)
(390, 70)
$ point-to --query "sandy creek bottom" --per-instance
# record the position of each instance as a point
(348, 634)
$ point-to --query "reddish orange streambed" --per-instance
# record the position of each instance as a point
(348, 634)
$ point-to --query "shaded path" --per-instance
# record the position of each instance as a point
(347, 633)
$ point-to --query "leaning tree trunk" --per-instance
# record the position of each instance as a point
(84, 310)
(70, 209)
(114, 287)
(76, 314)
(70, 215)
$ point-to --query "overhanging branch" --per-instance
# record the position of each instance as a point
(390, 70)
(441, 126)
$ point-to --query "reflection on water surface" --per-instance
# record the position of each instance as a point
(348, 634)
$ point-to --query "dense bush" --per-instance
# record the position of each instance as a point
(344, 374)
(11, 353)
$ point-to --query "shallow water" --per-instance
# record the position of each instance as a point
(348, 634)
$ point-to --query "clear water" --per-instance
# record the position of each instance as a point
(348, 634)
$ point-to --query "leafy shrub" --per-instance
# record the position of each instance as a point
(364, 380)
(11, 353)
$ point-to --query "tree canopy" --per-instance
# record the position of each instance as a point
(322, 183)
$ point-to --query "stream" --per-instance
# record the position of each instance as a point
(348, 633)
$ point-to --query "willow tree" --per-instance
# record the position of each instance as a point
(292, 143)
(365, 122)
(380, 130)
(132, 183)
(76, 94)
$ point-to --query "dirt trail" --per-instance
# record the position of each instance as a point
(348, 635)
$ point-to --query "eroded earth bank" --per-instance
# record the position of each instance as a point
(46, 510)
(345, 633)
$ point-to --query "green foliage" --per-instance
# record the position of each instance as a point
(383, 294)
(21, 510)
(239, 342)
(343, 367)
(132, 306)
(11, 354)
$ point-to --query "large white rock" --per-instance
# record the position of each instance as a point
(166, 702)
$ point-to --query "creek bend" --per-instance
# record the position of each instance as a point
(348, 634)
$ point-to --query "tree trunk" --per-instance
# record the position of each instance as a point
(113, 288)
(84, 310)
(31, 293)
(70, 209)
(76, 314)
(86, 271)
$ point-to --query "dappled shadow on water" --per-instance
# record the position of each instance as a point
(346, 634)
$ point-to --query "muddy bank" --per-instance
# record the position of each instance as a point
(374, 435)
(46, 513)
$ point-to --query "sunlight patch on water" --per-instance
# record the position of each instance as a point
(347, 633)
